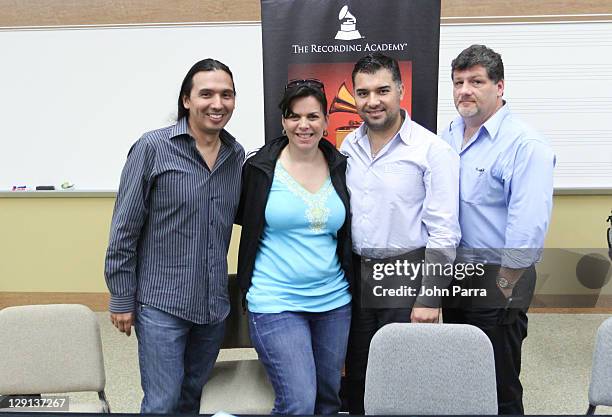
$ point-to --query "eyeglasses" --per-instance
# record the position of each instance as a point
(309, 82)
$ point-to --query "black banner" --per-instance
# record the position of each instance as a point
(324, 38)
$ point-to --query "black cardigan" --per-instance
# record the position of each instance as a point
(257, 175)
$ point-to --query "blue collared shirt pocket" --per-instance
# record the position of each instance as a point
(474, 184)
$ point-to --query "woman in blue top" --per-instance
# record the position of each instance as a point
(294, 258)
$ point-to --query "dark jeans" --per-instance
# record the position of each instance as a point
(176, 357)
(506, 328)
(303, 354)
(364, 324)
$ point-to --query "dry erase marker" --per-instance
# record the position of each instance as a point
(19, 187)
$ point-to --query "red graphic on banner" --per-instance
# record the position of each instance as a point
(343, 117)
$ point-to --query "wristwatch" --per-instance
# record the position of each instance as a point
(504, 284)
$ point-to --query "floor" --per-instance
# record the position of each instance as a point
(555, 373)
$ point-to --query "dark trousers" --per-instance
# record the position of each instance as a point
(364, 324)
(506, 328)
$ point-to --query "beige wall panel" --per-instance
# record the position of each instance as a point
(52, 249)
(54, 244)
(59, 244)
(108, 12)
(579, 221)
(473, 8)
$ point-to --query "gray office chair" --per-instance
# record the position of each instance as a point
(238, 386)
(51, 349)
(600, 388)
(421, 369)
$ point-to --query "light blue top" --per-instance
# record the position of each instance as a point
(506, 187)
(296, 267)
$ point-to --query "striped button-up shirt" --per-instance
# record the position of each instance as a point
(172, 226)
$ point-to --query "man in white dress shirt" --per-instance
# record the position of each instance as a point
(404, 186)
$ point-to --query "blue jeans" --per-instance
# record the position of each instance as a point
(176, 357)
(303, 354)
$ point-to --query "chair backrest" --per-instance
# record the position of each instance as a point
(50, 349)
(430, 369)
(600, 388)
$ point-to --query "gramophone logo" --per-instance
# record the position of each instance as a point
(344, 102)
(348, 26)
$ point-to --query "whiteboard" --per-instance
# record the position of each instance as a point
(75, 99)
(558, 80)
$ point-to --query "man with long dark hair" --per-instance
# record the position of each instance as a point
(166, 265)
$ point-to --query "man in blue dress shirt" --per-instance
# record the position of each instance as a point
(506, 187)
(166, 265)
